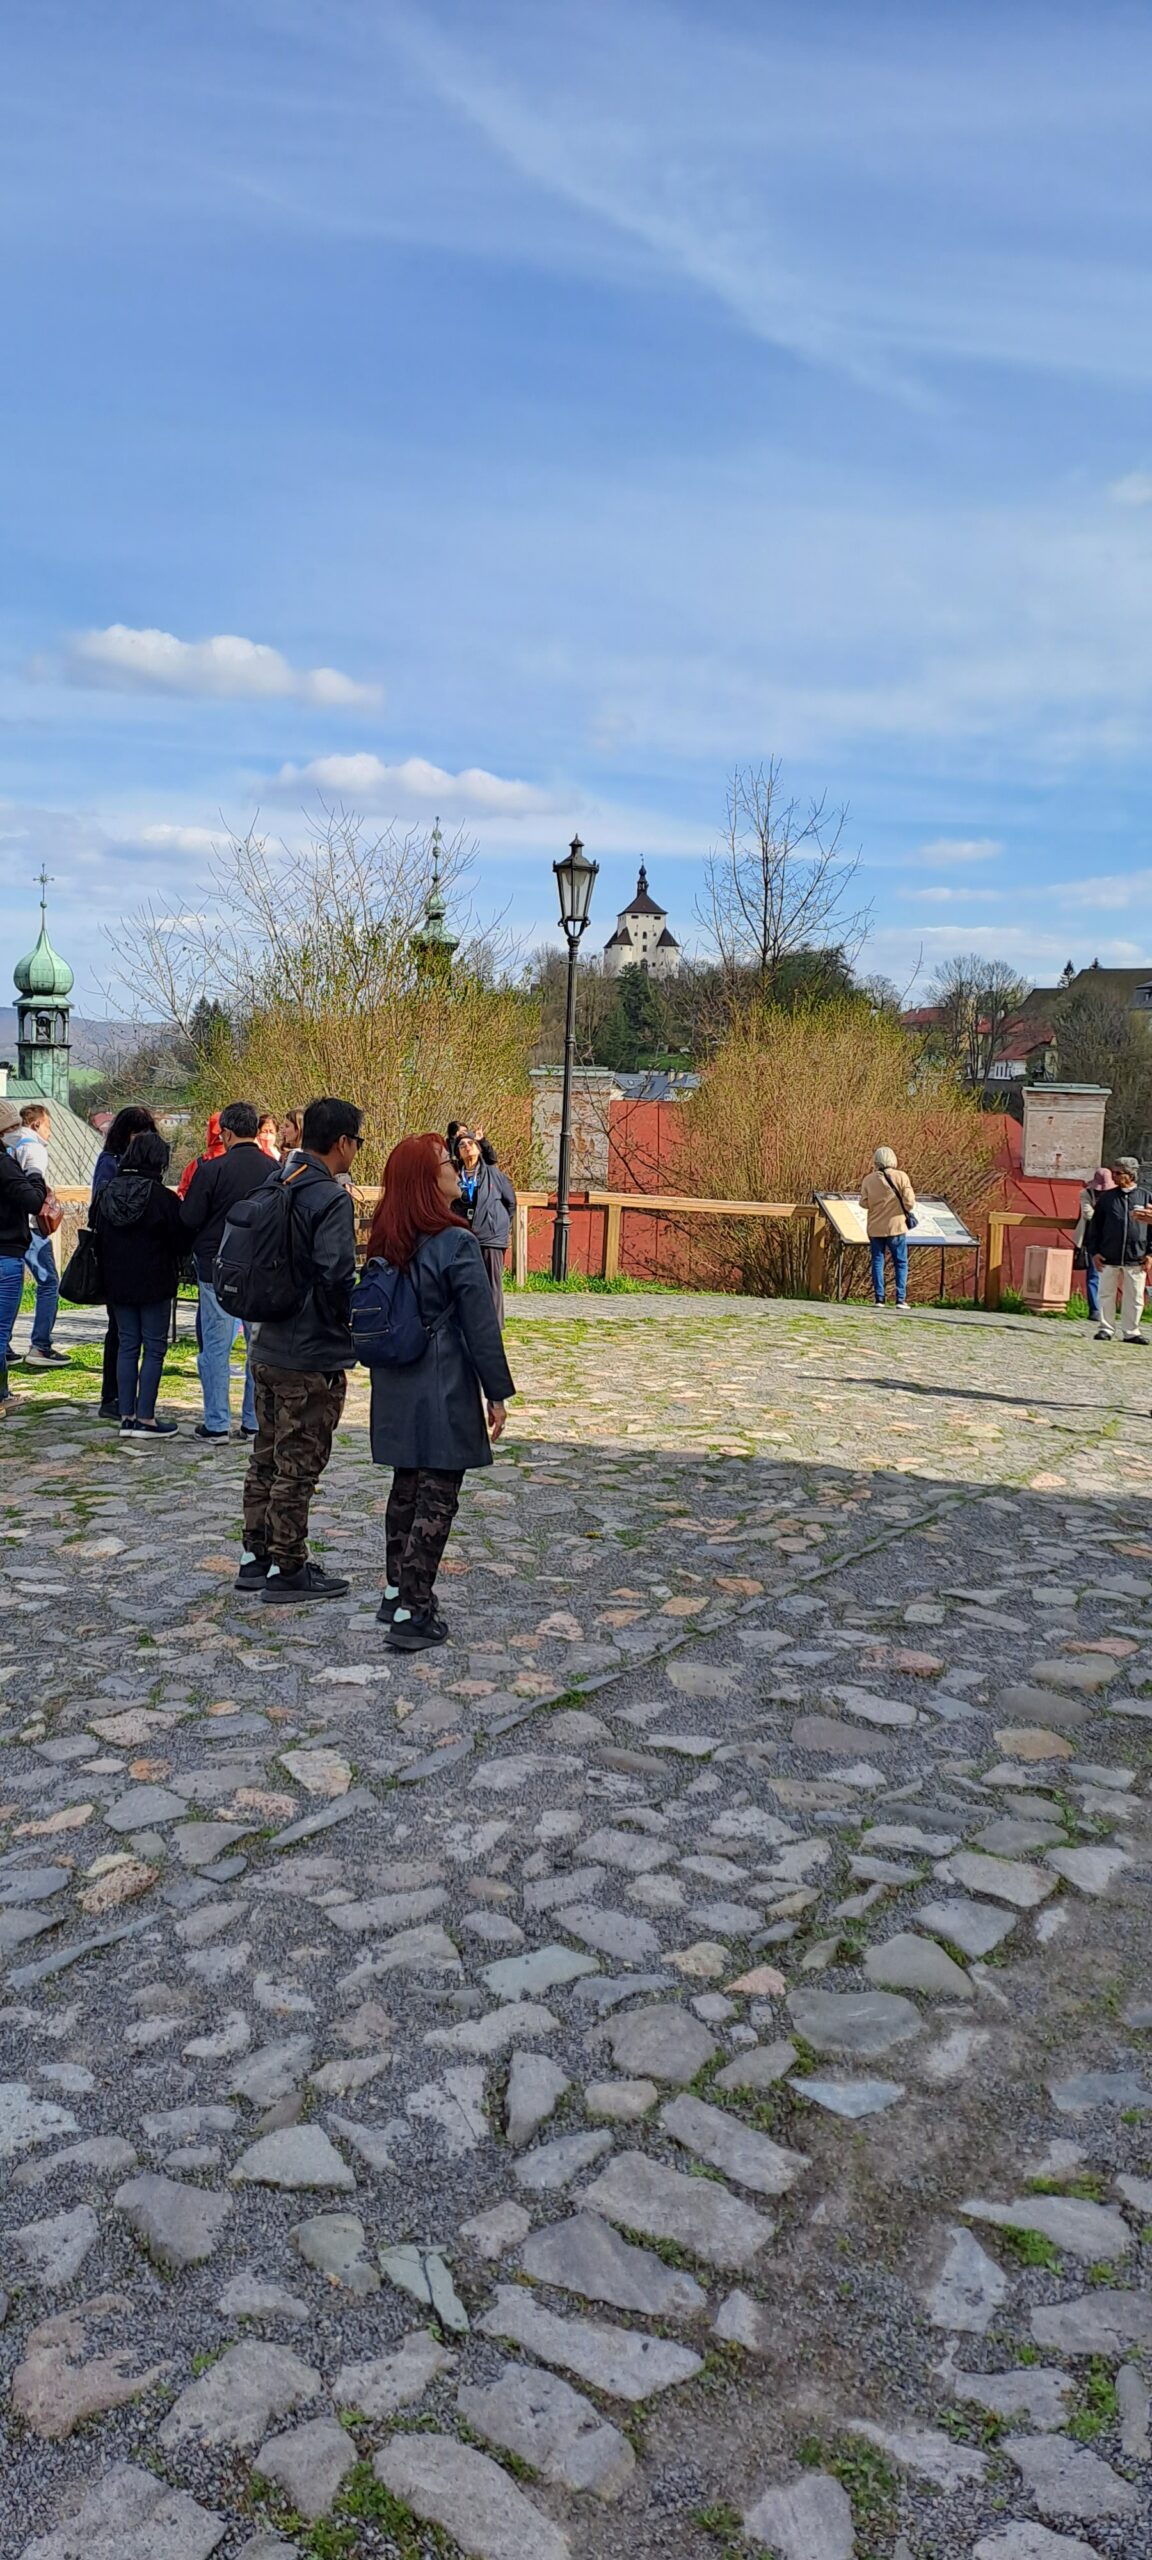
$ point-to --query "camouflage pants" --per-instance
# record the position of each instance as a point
(421, 1509)
(297, 1411)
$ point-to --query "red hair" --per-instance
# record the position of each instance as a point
(410, 1205)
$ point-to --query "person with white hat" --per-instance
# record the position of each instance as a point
(22, 1196)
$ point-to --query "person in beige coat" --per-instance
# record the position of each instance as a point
(889, 1201)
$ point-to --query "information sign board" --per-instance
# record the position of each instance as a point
(936, 1223)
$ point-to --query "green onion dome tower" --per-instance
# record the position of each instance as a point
(44, 984)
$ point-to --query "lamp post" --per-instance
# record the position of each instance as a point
(574, 879)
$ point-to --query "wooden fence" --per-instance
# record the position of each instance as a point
(656, 1204)
(645, 1204)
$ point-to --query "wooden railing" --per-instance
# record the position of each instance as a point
(668, 1205)
(999, 1221)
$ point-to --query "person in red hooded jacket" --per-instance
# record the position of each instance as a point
(214, 1147)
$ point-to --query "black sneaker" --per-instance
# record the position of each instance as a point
(417, 1633)
(309, 1582)
(34, 1358)
(1135, 1342)
(246, 1431)
(202, 1432)
(130, 1425)
(110, 1412)
(1101, 1334)
(156, 1430)
(253, 1574)
(386, 1611)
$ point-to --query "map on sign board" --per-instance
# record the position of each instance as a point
(936, 1223)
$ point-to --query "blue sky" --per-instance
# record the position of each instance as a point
(529, 413)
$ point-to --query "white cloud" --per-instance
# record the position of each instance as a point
(1109, 891)
(945, 850)
(1134, 490)
(472, 793)
(173, 839)
(951, 897)
(225, 668)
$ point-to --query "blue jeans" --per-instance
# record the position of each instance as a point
(41, 1263)
(897, 1246)
(217, 1333)
(143, 1343)
(11, 1291)
(1092, 1278)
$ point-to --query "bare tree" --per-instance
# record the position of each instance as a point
(777, 884)
(977, 1000)
(308, 974)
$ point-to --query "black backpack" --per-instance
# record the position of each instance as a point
(260, 1273)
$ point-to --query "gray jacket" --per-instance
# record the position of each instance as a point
(318, 1339)
(430, 1415)
(491, 1206)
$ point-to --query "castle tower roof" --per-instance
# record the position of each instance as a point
(642, 904)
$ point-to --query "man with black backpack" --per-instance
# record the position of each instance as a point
(287, 1262)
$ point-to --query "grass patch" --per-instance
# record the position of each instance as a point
(971, 2425)
(365, 2500)
(1098, 2407)
(868, 2479)
(1086, 2184)
(540, 1284)
(1031, 2247)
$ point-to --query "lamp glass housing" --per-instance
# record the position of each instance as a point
(574, 880)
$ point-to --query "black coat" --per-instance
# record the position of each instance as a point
(136, 1221)
(430, 1415)
(1113, 1231)
(21, 1195)
(493, 1205)
(216, 1185)
(318, 1339)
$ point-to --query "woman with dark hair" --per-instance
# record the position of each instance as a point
(488, 1201)
(139, 1238)
(132, 1122)
(428, 1423)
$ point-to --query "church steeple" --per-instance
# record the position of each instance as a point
(44, 984)
(433, 945)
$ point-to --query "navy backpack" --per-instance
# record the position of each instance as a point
(388, 1330)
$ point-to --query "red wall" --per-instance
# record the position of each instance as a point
(1048, 1199)
(643, 1145)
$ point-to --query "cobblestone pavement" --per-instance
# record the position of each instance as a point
(669, 2074)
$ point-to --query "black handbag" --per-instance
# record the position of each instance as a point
(81, 1279)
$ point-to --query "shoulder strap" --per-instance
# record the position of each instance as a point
(894, 1187)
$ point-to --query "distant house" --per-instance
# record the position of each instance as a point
(642, 940)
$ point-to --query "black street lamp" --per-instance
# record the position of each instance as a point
(574, 879)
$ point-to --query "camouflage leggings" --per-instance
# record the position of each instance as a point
(422, 1506)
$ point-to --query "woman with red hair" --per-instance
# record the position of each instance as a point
(428, 1423)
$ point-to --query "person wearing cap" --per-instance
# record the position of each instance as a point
(1082, 1260)
(1116, 1240)
(22, 1196)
